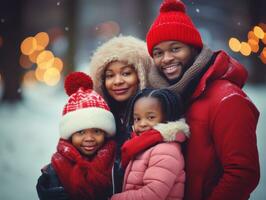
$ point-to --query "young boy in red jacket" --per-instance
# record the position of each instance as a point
(81, 167)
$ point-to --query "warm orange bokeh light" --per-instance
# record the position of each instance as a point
(39, 73)
(25, 62)
(58, 64)
(45, 59)
(254, 45)
(28, 46)
(51, 76)
(33, 56)
(264, 39)
(245, 49)
(42, 39)
(234, 44)
(251, 35)
(258, 32)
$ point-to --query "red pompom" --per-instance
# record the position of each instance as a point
(76, 80)
(172, 5)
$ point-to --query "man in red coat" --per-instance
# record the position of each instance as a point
(221, 155)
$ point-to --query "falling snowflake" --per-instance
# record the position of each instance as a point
(66, 28)
(58, 3)
(2, 20)
(97, 28)
(238, 23)
(197, 10)
(139, 23)
(19, 90)
(192, 2)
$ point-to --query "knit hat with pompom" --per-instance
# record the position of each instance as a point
(85, 108)
(173, 23)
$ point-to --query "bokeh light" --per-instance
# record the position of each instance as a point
(245, 49)
(263, 55)
(258, 32)
(264, 39)
(251, 35)
(39, 73)
(42, 39)
(33, 56)
(234, 44)
(45, 59)
(58, 64)
(254, 45)
(51, 76)
(28, 46)
(25, 62)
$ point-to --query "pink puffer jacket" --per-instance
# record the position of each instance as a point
(157, 173)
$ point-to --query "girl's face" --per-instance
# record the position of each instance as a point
(88, 141)
(147, 113)
(121, 81)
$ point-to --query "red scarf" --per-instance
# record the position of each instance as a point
(139, 143)
(81, 177)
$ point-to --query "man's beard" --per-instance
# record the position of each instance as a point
(184, 69)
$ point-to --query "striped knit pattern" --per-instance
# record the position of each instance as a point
(84, 99)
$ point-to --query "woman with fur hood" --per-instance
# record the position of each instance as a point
(119, 69)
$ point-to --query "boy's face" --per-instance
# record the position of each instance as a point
(173, 58)
(147, 113)
(88, 141)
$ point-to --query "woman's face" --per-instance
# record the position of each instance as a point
(121, 81)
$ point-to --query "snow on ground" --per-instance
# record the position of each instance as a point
(29, 134)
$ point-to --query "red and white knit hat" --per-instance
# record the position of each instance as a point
(172, 23)
(85, 108)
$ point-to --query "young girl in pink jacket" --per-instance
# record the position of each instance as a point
(154, 171)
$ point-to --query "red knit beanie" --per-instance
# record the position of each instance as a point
(172, 23)
(85, 108)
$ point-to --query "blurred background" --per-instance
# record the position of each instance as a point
(42, 41)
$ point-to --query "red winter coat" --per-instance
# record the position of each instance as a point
(83, 178)
(221, 159)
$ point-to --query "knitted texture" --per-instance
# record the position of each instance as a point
(85, 108)
(173, 23)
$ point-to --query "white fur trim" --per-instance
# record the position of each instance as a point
(84, 118)
(128, 49)
(171, 129)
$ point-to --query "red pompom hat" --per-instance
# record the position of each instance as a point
(172, 23)
(85, 108)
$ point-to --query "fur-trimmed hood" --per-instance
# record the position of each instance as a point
(173, 131)
(128, 49)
